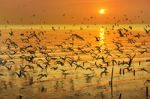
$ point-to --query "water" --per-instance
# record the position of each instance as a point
(69, 60)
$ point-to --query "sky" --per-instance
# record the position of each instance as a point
(73, 11)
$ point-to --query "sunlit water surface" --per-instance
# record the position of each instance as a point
(66, 81)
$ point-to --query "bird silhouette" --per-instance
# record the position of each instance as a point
(147, 31)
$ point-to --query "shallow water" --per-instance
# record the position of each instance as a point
(53, 43)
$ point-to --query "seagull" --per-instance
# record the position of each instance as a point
(143, 69)
(130, 27)
(130, 59)
(97, 39)
(105, 71)
(11, 33)
(79, 66)
(21, 73)
(42, 75)
(59, 62)
(147, 31)
(53, 29)
(77, 36)
(121, 34)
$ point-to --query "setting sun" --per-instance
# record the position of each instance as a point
(102, 11)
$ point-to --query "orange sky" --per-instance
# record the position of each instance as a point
(73, 11)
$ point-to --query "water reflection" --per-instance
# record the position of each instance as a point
(102, 36)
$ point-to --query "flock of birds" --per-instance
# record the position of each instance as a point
(27, 55)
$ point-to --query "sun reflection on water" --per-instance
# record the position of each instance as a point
(102, 36)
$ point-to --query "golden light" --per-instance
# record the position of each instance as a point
(102, 36)
(102, 11)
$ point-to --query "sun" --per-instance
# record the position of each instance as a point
(102, 11)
